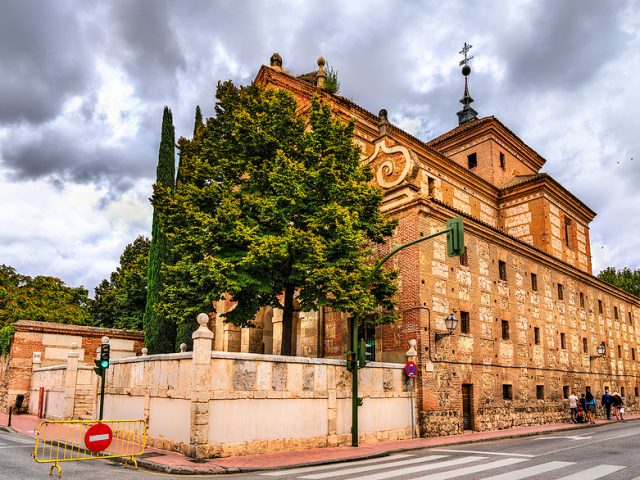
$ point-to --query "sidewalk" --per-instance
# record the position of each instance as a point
(176, 463)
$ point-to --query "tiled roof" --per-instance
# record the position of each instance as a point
(520, 179)
(459, 129)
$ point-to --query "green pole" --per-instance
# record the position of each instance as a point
(102, 393)
(355, 401)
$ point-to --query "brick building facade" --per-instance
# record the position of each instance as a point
(531, 313)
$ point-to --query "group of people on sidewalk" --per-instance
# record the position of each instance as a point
(584, 409)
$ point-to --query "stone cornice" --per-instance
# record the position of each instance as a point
(70, 329)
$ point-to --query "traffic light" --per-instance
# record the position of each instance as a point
(362, 354)
(103, 362)
(370, 353)
(351, 361)
(455, 237)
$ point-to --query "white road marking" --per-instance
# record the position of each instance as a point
(15, 446)
(482, 452)
(570, 437)
(593, 473)
(97, 438)
(418, 469)
(334, 466)
(474, 469)
(531, 471)
(368, 468)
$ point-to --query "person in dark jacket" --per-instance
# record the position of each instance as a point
(607, 399)
(590, 403)
(617, 405)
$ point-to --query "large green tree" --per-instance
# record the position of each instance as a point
(625, 279)
(271, 208)
(120, 301)
(42, 298)
(160, 332)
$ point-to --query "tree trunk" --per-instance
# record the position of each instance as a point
(287, 321)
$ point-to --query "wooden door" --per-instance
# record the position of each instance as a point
(467, 406)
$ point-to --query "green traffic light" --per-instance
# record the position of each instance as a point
(104, 364)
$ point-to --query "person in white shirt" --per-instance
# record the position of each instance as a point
(573, 406)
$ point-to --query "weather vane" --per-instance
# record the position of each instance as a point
(464, 51)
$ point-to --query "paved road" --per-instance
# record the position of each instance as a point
(609, 452)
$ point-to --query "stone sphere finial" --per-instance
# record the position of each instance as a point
(321, 62)
(202, 319)
(183, 347)
(412, 352)
(104, 339)
(145, 351)
(74, 346)
(382, 115)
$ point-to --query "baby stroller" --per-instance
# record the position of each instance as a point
(581, 415)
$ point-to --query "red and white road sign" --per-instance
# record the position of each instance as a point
(98, 437)
(411, 369)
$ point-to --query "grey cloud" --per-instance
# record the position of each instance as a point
(43, 59)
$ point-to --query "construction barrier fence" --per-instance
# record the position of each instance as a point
(60, 441)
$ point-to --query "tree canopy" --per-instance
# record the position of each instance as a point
(120, 301)
(625, 279)
(42, 298)
(267, 209)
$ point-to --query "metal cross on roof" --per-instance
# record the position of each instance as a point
(464, 51)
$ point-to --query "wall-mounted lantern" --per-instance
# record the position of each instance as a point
(450, 322)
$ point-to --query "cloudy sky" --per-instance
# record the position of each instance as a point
(83, 85)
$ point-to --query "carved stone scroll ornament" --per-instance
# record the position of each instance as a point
(393, 164)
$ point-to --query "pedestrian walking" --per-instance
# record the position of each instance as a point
(590, 403)
(573, 407)
(617, 404)
(606, 402)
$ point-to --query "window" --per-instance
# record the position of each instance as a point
(581, 300)
(560, 292)
(534, 282)
(536, 335)
(505, 330)
(507, 392)
(431, 186)
(619, 351)
(622, 392)
(464, 322)
(633, 354)
(584, 345)
(635, 391)
(563, 341)
(502, 160)
(540, 392)
(464, 260)
(630, 318)
(567, 224)
(600, 307)
(472, 160)
(502, 269)
(565, 391)
(615, 313)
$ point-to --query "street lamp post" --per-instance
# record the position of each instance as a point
(602, 348)
(450, 322)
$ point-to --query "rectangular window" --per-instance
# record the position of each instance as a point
(633, 354)
(502, 160)
(635, 391)
(536, 335)
(534, 282)
(630, 318)
(622, 392)
(505, 330)
(560, 292)
(502, 269)
(565, 391)
(540, 392)
(619, 351)
(581, 300)
(472, 160)
(464, 260)
(563, 341)
(585, 348)
(507, 392)
(600, 307)
(567, 224)
(464, 322)
(615, 313)
(431, 186)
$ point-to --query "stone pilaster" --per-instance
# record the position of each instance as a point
(201, 394)
(70, 381)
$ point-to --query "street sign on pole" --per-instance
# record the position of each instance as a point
(98, 437)
(411, 369)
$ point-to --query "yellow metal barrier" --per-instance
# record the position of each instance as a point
(60, 441)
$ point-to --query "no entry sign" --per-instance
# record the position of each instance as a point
(411, 369)
(98, 437)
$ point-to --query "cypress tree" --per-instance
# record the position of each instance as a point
(160, 333)
(198, 122)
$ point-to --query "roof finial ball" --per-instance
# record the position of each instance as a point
(466, 70)
(276, 60)
(321, 62)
